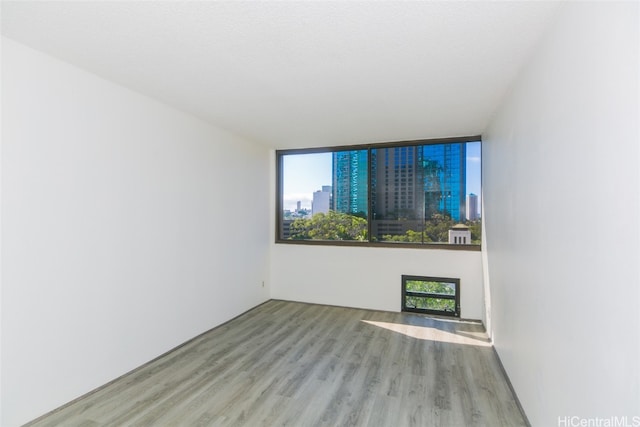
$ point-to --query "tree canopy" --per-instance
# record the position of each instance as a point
(436, 229)
(329, 226)
(343, 226)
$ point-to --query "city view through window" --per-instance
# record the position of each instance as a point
(419, 194)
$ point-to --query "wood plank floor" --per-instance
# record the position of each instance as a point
(295, 364)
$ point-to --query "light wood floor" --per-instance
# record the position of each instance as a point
(295, 364)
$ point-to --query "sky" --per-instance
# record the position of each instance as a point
(306, 173)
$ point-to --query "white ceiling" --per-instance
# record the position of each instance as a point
(300, 74)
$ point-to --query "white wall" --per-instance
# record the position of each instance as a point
(561, 190)
(369, 277)
(127, 228)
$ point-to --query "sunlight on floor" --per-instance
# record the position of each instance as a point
(435, 334)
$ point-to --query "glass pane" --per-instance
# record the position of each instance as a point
(424, 303)
(325, 196)
(426, 194)
(441, 288)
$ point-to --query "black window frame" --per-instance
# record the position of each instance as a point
(280, 154)
(427, 295)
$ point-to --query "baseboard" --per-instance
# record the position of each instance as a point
(513, 391)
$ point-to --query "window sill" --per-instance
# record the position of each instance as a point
(352, 243)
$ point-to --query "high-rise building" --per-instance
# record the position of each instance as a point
(396, 175)
(417, 182)
(445, 180)
(350, 181)
(409, 185)
(472, 209)
(321, 201)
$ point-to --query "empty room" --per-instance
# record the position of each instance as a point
(320, 213)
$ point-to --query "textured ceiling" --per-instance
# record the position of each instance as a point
(300, 74)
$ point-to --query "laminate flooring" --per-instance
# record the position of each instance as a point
(295, 364)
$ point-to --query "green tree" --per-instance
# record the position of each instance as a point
(430, 303)
(476, 231)
(410, 236)
(437, 227)
(330, 226)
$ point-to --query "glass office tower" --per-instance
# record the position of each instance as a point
(350, 182)
(418, 182)
(444, 179)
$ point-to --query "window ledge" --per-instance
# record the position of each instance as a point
(352, 243)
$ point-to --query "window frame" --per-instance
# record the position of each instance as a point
(455, 297)
(280, 154)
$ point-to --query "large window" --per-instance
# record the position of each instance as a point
(420, 193)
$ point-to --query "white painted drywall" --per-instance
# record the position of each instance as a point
(561, 190)
(127, 228)
(370, 277)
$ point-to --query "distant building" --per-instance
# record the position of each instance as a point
(329, 189)
(459, 234)
(286, 229)
(472, 211)
(298, 205)
(321, 201)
